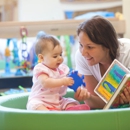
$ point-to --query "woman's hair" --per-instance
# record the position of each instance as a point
(42, 43)
(100, 31)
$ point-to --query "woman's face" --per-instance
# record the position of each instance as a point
(93, 53)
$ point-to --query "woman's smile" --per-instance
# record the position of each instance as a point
(88, 58)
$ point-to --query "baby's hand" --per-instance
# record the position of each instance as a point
(68, 81)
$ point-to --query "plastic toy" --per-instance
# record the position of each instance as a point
(15, 50)
(16, 59)
(40, 34)
(22, 66)
(18, 90)
(78, 81)
(23, 32)
(8, 58)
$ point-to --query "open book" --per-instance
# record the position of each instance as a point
(114, 101)
(114, 78)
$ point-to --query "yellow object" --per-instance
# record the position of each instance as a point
(7, 52)
(119, 15)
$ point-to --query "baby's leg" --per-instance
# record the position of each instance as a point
(68, 102)
(70, 105)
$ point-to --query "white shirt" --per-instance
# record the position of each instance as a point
(84, 69)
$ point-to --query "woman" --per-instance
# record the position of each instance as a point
(98, 47)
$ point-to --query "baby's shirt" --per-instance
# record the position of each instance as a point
(48, 95)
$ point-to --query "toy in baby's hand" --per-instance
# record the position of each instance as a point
(78, 81)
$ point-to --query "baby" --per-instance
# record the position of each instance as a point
(49, 77)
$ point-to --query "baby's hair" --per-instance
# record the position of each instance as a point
(42, 42)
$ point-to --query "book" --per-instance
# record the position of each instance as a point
(114, 101)
(111, 81)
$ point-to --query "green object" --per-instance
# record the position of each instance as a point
(22, 88)
(58, 37)
(68, 51)
(2, 94)
(14, 116)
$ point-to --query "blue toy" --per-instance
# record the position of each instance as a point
(8, 57)
(78, 81)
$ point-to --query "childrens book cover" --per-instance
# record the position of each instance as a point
(111, 80)
(114, 101)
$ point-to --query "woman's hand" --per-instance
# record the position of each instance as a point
(125, 96)
(82, 94)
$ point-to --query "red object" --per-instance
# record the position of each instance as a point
(23, 31)
(78, 107)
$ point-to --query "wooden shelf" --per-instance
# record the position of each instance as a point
(55, 27)
(86, 1)
(84, 6)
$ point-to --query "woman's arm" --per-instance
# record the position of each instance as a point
(91, 99)
(52, 82)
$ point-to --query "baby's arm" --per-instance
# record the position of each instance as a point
(52, 82)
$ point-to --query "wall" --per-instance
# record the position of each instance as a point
(36, 10)
(126, 14)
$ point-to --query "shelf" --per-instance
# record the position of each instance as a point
(54, 27)
(84, 6)
(85, 1)
(14, 82)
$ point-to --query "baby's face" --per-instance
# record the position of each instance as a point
(53, 58)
